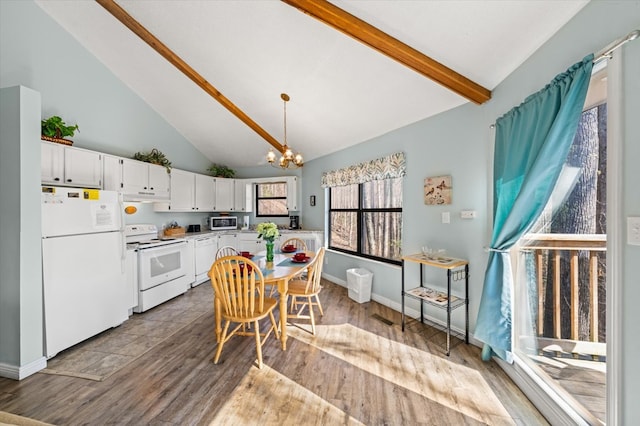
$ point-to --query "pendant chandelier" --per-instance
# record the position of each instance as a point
(287, 159)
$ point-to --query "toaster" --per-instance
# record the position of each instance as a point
(193, 228)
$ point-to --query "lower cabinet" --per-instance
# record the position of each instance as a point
(190, 261)
(312, 239)
(248, 241)
(230, 239)
(131, 274)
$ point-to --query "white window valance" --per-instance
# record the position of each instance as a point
(391, 166)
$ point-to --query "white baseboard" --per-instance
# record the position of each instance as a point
(408, 311)
(18, 373)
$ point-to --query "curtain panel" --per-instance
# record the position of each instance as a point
(391, 166)
(531, 145)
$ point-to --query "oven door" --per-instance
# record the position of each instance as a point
(157, 265)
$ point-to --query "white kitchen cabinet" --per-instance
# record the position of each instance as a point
(183, 191)
(144, 181)
(248, 241)
(243, 200)
(228, 239)
(52, 163)
(205, 193)
(111, 173)
(190, 262)
(68, 166)
(312, 239)
(225, 192)
(190, 192)
(131, 273)
(292, 193)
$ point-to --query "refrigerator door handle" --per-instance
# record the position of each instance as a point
(123, 245)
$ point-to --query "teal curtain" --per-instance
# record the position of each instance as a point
(532, 143)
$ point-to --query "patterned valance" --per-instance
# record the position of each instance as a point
(391, 166)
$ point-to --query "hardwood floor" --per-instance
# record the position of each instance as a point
(356, 370)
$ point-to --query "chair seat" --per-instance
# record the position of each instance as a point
(307, 289)
(298, 288)
(269, 304)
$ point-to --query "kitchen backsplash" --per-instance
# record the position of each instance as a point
(146, 214)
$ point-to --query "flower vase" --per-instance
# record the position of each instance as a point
(269, 251)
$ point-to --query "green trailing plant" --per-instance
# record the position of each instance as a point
(154, 156)
(54, 127)
(220, 170)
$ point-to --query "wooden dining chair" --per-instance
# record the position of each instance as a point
(299, 244)
(239, 284)
(304, 291)
(226, 251)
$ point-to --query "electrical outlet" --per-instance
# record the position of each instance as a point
(468, 214)
(633, 231)
(446, 217)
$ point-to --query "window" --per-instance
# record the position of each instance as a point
(271, 199)
(365, 219)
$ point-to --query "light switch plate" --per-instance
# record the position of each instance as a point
(633, 231)
(446, 217)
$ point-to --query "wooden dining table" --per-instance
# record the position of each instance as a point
(279, 272)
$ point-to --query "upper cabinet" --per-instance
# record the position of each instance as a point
(67, 166)
(189, 192)
(292, 194)
(205, 196)
(243, 199)
(225, 193)
(138, 181)
(144, 180)
(183, 191)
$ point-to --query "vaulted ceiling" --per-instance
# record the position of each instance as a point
(342, 91)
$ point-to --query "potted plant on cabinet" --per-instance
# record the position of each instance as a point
(154, 156)
(220, 170)
(54, 129)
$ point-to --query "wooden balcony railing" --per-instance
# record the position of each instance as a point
(547, 251)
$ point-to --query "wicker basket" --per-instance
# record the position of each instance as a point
(174, 232)
(57, 140)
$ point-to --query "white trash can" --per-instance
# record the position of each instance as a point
(359, 281)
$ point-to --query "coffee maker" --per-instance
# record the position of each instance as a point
(294, 222)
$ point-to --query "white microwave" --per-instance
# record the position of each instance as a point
(220, 223)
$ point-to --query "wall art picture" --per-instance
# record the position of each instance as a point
(437, 190)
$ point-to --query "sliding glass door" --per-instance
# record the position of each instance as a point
(560, 288)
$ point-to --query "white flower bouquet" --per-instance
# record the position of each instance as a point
(268, 231)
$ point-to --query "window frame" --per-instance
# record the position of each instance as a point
(360, 213)
(258, 198)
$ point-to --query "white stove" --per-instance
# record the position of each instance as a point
(143, 236)
(161, 265)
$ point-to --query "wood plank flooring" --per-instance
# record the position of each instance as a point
(356, 370)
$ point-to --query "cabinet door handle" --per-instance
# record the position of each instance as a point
(56, 179)
(69, 180)
(151, 188)
(145, 187)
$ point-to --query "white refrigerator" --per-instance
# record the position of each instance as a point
(83, 265)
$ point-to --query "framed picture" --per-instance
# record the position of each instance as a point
(437, 190)
(312, 200)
